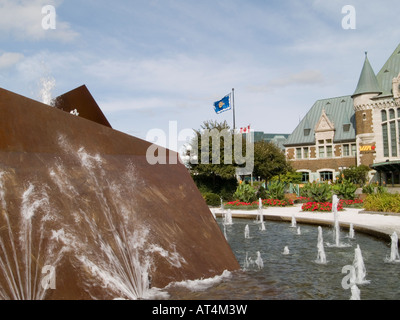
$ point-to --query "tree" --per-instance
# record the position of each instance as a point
(211, 150)
(357, 175)
(290, 176)
(212, 159)
(269, 160)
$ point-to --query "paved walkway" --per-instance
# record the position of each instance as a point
(379, 225)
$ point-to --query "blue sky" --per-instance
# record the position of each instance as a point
(151, 62)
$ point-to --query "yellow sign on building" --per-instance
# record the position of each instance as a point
(367, 148)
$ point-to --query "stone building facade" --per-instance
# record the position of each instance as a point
(361, 129)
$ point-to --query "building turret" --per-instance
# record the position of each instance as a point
(367, 89)
(368, 83)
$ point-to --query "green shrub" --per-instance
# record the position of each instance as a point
(345, 190)
(317, 192)
(357, 175)
(382, 202)
(212, 199)
(226, 194)
(276, 190)
(262, 193)
(381, 190)
(289, 177)
(245, 193)
(369, 188)
(223, 187)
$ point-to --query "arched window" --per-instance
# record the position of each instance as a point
(393, 138)
(391, 114)
(385, 137)
(384, 115)
(305, 177)
(326, 175)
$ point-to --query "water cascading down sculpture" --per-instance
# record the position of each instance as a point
(83, 215)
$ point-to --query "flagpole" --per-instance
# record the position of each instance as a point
(233, 106)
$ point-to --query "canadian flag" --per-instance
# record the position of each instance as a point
(245, 130)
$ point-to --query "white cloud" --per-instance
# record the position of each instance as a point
(146, 104)
(174, 58)
(190, 77)
(307, 77)
(22, 19)
(9, 59)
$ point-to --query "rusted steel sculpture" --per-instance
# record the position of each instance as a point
(83, 215)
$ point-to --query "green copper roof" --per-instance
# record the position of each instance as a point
(390, 70)
(368, 82)
(339, 110)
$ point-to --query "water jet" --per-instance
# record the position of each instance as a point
(81, 197)
(321, 257)
(394, 250)
(359, 267)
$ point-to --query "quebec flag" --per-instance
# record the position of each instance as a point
(222, 105)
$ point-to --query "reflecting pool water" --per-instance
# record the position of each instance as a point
(280, 263)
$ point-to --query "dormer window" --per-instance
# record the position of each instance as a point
(346, 127)
(307, 132)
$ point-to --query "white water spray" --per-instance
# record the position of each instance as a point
(335, 202)
(336, 225)
(200, 285)
(359, 267)
(247, 232)
(294, 222)
(28, 244)
(228, 217)
(321, 257)
(355, 293)
(394, 250)
(249, 262)
(261, 214)
(259, 261)
(120, 259)
(351, 231)
(47, 86)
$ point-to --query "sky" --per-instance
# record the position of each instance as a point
(161, 64)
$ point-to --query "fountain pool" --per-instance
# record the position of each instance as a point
(297, 276)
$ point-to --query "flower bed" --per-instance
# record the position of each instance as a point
(357, 203)
(254, 205)
(241, 205)
(277, 203)
(307, 206)
(303, 199)
(327, 206)
(320, 206)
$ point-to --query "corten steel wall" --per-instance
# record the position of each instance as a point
(72, 189)
(81, 99)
